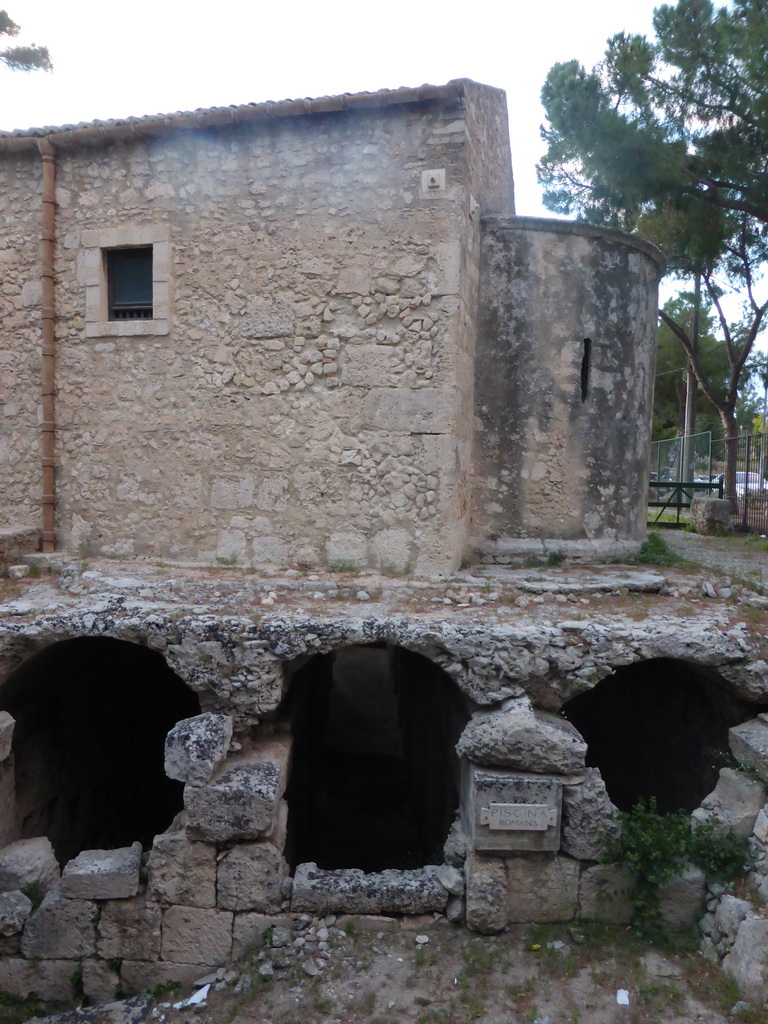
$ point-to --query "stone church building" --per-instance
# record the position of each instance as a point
(314, 332)
(255, 359)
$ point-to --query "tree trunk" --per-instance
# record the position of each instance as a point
(731, 429)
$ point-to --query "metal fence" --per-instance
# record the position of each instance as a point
(743, 463)
(682, 458)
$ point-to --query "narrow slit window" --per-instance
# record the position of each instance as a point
(129, 272)
(586, 361)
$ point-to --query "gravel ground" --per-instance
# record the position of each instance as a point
(743, 558)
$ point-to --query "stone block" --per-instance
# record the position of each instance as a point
(249, 927)
(138, 976)
(242, 799)
(749, 744)
(354, 281)
(486, 898)
(519, 737)
(604, 894)
(366, 365)
(194, 747)
(589, 818)
(352, 891)
(733, 805)
(503, 811)
(181, 871)
(681, 899)
(60, 929)
(50, 980)
(747, 963)
(711, 516)
(103, 874)
(542, 887)
(129, 930)
(193, 935)
(412, 411)
(249, 876)
(101, 982)
(9, 826)
(267, 320)
(731, 911)
(15, 908)
(28, 861)
(7, 725)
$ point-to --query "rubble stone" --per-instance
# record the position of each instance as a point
(28, 861)
(242, 799)
(731, 911)
(589, 818)
(747, 963)
(711, 516)
(7, 724)
(354, 892)
(733, 805)
(195, 746)
(749, 744)
(126, 1011)
(103, 874)
(15, 908)
(520, 737)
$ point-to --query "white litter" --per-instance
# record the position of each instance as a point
(422, 940)
(198, 997)
(622, 997)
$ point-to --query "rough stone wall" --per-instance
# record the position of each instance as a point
(20, 293)
(306, 405)
(561, 449)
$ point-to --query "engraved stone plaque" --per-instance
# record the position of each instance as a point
(518, 817)
(504, 811)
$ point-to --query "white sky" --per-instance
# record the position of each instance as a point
(114, 58)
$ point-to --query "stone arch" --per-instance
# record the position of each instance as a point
(91, 717)
(374, 782)
(658, 728)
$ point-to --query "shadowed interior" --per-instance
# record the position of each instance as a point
(374, 777)
(659, 728)
(91, 719)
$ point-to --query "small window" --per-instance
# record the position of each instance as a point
(129, 274)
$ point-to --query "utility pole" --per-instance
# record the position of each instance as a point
(691, 392)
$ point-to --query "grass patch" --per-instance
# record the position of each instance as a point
(655, 551)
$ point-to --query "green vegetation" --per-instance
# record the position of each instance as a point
(22, 58)
(658, 847)
(655, 551)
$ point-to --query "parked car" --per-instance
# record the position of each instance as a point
(749, 482)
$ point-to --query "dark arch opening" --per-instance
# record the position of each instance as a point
(91, 719)
(658, 728)
(374, 782)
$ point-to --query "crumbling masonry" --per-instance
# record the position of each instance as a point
(341, 354)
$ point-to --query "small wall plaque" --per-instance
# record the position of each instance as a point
(504, 811)
(518, 817)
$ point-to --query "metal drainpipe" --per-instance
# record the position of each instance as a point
(48, 425)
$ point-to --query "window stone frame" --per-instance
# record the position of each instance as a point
(94, 244)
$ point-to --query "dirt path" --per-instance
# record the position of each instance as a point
(443, 975)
